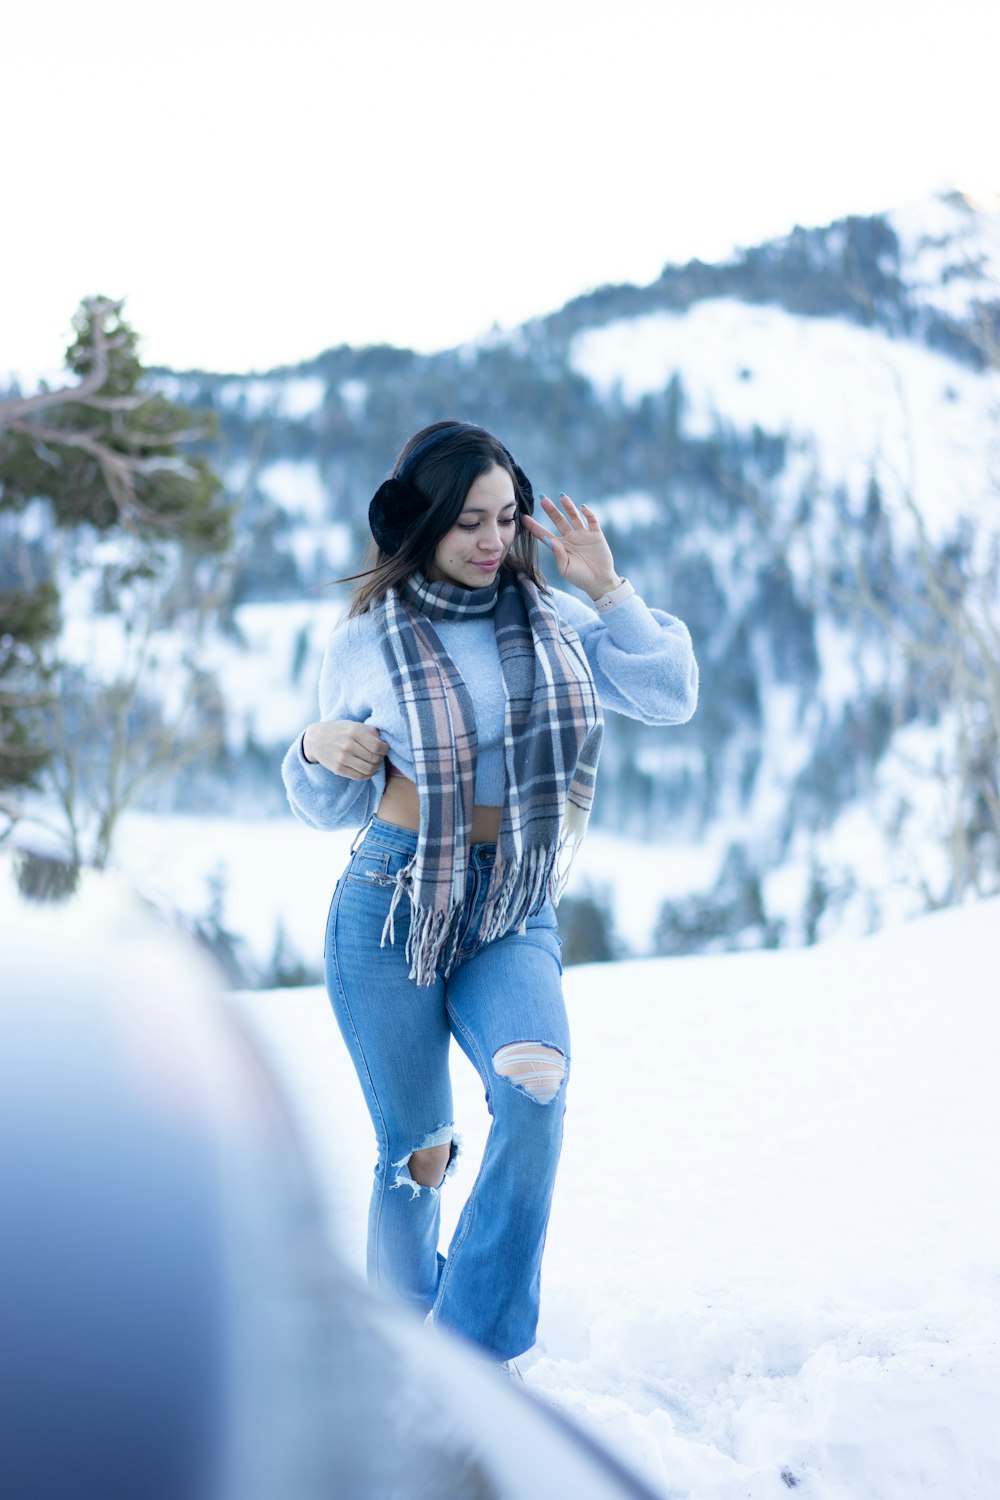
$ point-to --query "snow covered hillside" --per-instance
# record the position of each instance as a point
(773, 1257)
(855, 403)
(796, 450)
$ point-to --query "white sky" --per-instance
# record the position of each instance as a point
(263, 181)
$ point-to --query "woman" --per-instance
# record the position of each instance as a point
(460, 720)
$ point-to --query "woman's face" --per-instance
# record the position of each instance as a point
(472, 551)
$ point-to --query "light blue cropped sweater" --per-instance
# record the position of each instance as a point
(641, 659)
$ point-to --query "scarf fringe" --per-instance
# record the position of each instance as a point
(521, 892)
(430, 931)
(574, 829)
(427, 946)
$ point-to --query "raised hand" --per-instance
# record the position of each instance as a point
(578, 545)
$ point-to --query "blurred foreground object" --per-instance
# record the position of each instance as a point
(173, 1325)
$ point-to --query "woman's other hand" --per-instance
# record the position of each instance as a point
(579, 546)
(344, 747)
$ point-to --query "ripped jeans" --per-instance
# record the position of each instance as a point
(503, 1004)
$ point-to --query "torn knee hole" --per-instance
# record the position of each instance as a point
(427, 1167)
(532, 1067)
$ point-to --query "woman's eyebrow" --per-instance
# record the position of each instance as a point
(479, 510)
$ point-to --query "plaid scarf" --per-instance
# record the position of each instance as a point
(553, 727)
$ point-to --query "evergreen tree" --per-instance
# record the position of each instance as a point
(102, 459)
(106, 453)
(587, 929)
(29, 617)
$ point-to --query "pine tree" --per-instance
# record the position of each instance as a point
(106, 452)
(102, 458)
(29, 617)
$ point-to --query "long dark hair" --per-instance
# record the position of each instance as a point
(443, 475)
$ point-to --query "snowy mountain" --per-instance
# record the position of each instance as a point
(794, 450)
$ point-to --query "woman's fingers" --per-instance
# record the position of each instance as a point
(555, 515)
(370, 742)
(347, 748)
(365, 751)
(537, 531)
(580, 547)
(571, 510)
(358, 770)
(571, 517)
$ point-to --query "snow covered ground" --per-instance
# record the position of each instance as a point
(774, 1256)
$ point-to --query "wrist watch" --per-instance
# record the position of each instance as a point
(614, 597)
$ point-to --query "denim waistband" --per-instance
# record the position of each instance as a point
(404, 841)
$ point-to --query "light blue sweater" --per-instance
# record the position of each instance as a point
(641, 659)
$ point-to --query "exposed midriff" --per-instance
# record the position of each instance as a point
(400, 805)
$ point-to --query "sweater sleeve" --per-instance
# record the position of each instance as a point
(319, 797)
(641, 658)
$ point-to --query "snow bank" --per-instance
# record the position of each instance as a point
(773, 1254)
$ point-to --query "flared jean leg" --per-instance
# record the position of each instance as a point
(398, 1036)
(508, 992)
